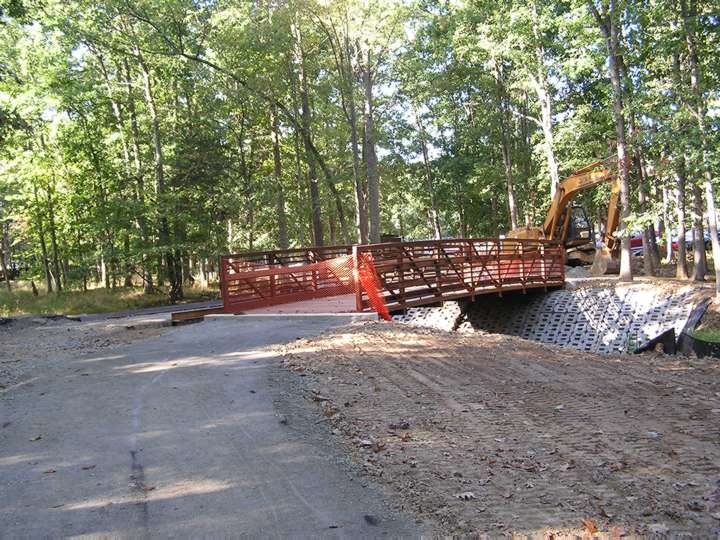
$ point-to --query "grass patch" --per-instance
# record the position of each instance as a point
(21, 300)
(711, 334)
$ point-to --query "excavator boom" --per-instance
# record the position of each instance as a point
(555, 226)
(559, 216)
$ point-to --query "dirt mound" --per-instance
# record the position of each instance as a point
(493, 434)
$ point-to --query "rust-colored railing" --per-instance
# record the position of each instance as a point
(408, 273)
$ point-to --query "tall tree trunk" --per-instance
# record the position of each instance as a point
(429, 178)
(699, 256)
(371, 160)
(648, 258)
(43, 243)
(306, 121)
(148, 285)
(176, 292)
(4, 268)
(361, 212)
(681, 182)
(505, 139)
(542, 89)
(667, 225)
(5, 251)
(689, 16)
(609, 26)
(277, 176)
(53, 241)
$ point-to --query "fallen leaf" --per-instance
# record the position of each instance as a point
(590, 526)
(148, 488)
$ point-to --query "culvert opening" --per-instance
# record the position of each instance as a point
(599, 319)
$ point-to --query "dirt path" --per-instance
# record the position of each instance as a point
(30, 345)
(492, 434)
(181, 435)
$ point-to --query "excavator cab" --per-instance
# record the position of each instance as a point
(581, 230)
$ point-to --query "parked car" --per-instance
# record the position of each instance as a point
(636, 240)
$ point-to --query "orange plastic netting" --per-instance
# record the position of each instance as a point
(252, 283)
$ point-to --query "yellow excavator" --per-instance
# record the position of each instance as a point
(571, 225)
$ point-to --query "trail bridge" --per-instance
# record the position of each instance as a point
(392, 276)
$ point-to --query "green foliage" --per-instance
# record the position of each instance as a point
(137, 136)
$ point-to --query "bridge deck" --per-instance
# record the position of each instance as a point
(399, 275)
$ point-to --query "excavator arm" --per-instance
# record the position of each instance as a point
(558, 216)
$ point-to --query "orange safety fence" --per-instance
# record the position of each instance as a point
(250, 284)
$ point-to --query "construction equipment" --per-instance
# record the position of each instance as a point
(570, 224)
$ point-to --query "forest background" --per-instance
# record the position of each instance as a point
(140, 139)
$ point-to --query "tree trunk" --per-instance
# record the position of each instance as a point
(148, 286)
(176, 292)
(689, 15)
(699, 256)
(5, 252)
(666, 228)
(277, 176)
(316, 214)
(505, 139)
(43, 243)
(609, 28)
(361, 215)
(54, 242)
(429, 179)
(648, 259)
(371, 161)
(4, 268)
(681, 265)
(542, 90)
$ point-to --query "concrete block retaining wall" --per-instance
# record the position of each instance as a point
(596, 319)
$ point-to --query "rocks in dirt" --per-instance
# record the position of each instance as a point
(32, 342)
(511, 452)
(580, 272)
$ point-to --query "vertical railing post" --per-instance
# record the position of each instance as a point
(523, 277)
(223, 284)
(314, 280)
(499, 247)
(438, 279)
(356, 278)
